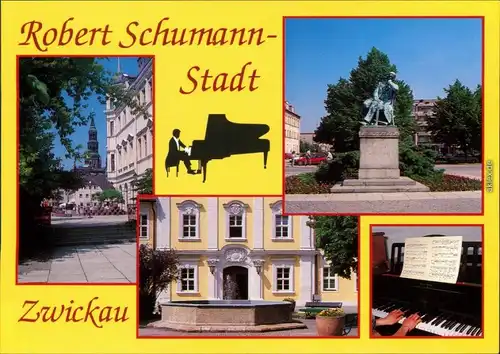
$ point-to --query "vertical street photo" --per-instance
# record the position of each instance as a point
(85, 152)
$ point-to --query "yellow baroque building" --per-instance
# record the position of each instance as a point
(268, 255)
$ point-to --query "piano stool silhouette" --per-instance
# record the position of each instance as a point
(224, 138)
(168, 165)
(445, 309)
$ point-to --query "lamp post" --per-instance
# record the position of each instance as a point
(311, 222)
(258, 263)
(90, 203)
(212, 264)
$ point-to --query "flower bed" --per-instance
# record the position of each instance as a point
(450, 183)
(306, 183)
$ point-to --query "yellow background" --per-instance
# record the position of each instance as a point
(120, 337)
(242, 174)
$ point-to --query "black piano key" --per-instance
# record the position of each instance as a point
(462, 328)
(428, 317)
(451, 322)
(441, 321)
(436, 320)
(446, 324)
(383, 307)
(471, 329)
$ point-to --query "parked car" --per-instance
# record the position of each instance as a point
(315, 159)
(288, 156)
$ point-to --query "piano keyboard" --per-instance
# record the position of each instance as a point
(441, 324)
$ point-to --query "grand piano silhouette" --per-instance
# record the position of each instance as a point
(224, 138)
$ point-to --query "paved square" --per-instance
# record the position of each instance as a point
(114, 263)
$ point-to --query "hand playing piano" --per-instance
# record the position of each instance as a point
(411, 322)
(408, 325)
(392, 318)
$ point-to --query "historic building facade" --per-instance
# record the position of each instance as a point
(309, 139)
(129, 135)
(292, 129)
(246, 241)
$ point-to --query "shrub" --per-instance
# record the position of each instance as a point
(157, 269)
(344, 165)
(416, 161)
(449, 183)
(300, 184)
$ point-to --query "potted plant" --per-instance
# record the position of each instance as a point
(292, 303)
(330, 322)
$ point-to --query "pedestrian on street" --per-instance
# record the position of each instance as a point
(329, 156)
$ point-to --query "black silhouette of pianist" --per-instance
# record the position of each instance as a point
(175, 154)
(223, 139)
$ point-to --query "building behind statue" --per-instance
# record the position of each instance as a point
(292, 129)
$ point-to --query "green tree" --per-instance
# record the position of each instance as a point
(111, 194)
(337, 237)
(144, 184)
(306, 146)
(344, 103)
(458, 118)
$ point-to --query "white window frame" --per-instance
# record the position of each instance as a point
(284, 263)
(236, 208)
(335, 277)
(188, 265)
(146, 214)
(277, 210)
(189, 207)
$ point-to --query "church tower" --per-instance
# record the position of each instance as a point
(93, 160)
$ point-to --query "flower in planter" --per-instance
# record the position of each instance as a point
(330, 322)
(333, 312)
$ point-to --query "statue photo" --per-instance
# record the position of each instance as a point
(381, 106)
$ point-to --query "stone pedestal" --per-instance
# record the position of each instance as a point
(379, 165)
(379, 153)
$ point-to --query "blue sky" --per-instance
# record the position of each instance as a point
(428, 53)
(129, 66)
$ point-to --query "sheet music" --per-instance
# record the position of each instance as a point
(187, 150)
(432, 258)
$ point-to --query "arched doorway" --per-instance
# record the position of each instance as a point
(235, 283)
